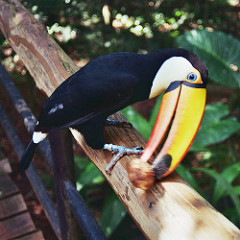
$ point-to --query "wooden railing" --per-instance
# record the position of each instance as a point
(171, 209)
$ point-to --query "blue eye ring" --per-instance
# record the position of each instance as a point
(192, 77)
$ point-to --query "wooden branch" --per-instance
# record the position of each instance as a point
(171, 209)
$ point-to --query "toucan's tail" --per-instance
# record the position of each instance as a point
(27, 157)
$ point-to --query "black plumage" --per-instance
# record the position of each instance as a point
(27, 157)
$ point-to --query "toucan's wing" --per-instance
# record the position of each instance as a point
(79, 99)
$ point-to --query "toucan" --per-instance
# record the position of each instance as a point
(111, 82)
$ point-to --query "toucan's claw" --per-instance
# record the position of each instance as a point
(120, 151)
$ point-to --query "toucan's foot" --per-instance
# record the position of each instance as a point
(120, 151)
(111, 122)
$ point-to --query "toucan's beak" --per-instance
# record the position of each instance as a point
(184, 103)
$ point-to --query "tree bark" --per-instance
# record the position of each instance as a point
(171, 209)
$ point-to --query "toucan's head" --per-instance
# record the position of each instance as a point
(183, 78)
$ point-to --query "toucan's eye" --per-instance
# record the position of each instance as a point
(192, 77)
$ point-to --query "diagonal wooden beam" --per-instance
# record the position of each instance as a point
(171, 209)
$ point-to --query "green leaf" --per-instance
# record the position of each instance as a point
(87, 173)
(139, 122)
(143, 126)
(214, 112)
(216, 132)
(187, 176)
(214, 129)
(155, 111)
(226, 186)
(229, 174)
(230, 213)
(112, 214)
(237, 190)
(220, 52)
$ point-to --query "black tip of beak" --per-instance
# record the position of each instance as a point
(161, 166)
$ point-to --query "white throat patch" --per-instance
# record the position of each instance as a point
(173, 69)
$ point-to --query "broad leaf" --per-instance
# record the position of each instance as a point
(226, 186)
(229, 174)
(214, 128)
(155, 111)
(87, 173)
(219, 51)
(143, 126)
(237, 190)
(112, 214)
(187, 176)
(139, 122)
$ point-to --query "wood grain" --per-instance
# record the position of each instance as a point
(7, 187)
(11, 206)
(32, 236)
(171, 209)
(16, 226)
(15, 222)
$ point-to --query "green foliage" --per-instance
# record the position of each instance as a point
(87, 177)
(216, 126)
(186, 174)
(224, 186)
(220, 52)
(143, 25)
(140, 123)
(112, 214)
(229, 174)
(87, 174)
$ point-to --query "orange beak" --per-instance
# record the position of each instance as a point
(182, 104)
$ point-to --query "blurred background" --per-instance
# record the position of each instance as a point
(90, 28)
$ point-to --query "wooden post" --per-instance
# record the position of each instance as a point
(169, 210)
(63, 168)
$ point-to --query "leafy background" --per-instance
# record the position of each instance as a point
(210, 28)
